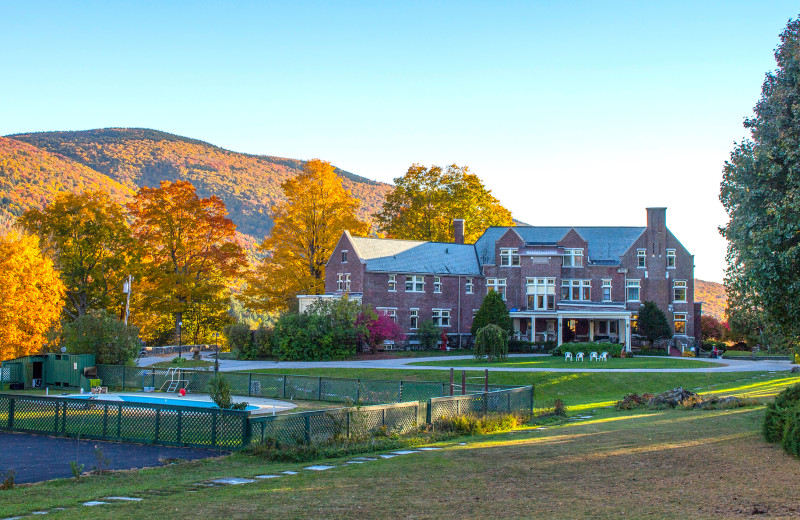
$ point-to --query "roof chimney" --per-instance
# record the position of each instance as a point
(458, 230)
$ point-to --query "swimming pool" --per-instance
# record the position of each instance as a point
(154, 400)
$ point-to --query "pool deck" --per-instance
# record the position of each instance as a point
(265, 406)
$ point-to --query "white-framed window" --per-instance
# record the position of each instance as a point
(641, 258)
(496, 284)
(414, 315)
(415, 283)
(343, 282)
(344, 256)
(388, 311)
(573, 258)
(437, 284)
(441, 317)
(392, 283)
(680, 322)
(632, 290)
(679, 291)
(469, 286)
(541, 293)
(509, 256)
(607, 327)
(606, 290)
(576, 290)
(671, 259)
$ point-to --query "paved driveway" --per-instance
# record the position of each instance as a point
(721, 365)
(39, 457)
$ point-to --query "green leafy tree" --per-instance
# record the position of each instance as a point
(428, 335)
(240, 338)
(327, 330)
(493, 311)
(653, 323)
(491, 342)
(760, 191)
(426, 200)
(101, 334)
(92, 245)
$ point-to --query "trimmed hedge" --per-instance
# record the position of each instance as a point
(613, 349)
(526, 347)
(782, 419)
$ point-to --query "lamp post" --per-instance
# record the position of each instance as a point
(216, 357)
(180, 325)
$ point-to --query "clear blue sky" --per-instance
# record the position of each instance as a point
(579, 113)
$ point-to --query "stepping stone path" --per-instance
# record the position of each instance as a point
(235, 481)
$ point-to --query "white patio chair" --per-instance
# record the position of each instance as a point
(567, 356)
(593, 356)
(579, 356)
(604, 356)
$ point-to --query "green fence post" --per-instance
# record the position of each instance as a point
(180, 425)
(119, 422)
(400, 395)
(213, 428)
(64, 417)
(55, 426)
(153, 380)
(283, 395)
(307, 421)
(509, 400)
(358, 390)
(319, 389)
(429, 412)
(11, 403)
(348, 423)
(532, 389)
(250, 384)
(123, 377)
(246, 430)
(158, 425)
(458, 406)
(105, 420)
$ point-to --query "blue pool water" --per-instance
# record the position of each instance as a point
(159, 400)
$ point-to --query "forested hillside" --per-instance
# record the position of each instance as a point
(30, 176)
(714, 298)
(248, 184)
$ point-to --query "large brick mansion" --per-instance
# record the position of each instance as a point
(560, 283)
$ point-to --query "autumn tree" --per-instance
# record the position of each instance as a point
(92, 246)
(426, 200)
(190, 255)
(760, 191)
(31, 296)
(307, 227)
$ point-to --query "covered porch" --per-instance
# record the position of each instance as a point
(574, 325)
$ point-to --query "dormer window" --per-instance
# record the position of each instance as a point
(437, 284)
(573, 258)
(509, 257)
(344, 256)
(392, 283)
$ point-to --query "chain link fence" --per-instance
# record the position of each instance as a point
(282, 386)
(125, 421)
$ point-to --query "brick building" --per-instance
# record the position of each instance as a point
(560, 283)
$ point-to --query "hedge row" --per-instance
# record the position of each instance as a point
(782, 420)
(613, 349)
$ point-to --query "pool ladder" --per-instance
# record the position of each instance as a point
(174, 381)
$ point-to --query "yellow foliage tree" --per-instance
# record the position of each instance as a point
(307, 226)
(31, 296)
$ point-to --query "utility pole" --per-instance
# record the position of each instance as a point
(127, 287)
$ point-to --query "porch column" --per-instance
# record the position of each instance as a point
(533, 328)
(627, 333)
(591, 329)
(560, 331)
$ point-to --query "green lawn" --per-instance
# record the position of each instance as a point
(585, 390)
(653, 464)
(558, 362)
(747, 353)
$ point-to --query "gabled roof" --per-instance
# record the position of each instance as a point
(606, 244)
(415, 256)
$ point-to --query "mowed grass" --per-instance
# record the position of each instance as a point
(586, 390)
(655, 464)
(558, 362)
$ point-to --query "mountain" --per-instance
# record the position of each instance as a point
(30, 176)
(714, 298)
(129, 158)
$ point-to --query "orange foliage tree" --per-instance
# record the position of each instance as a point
(31, 296)
(92, 246)
(307, 226)
(189, 254)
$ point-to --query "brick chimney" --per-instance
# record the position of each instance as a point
(458, 230)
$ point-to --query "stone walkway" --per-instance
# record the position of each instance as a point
(722, 365)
